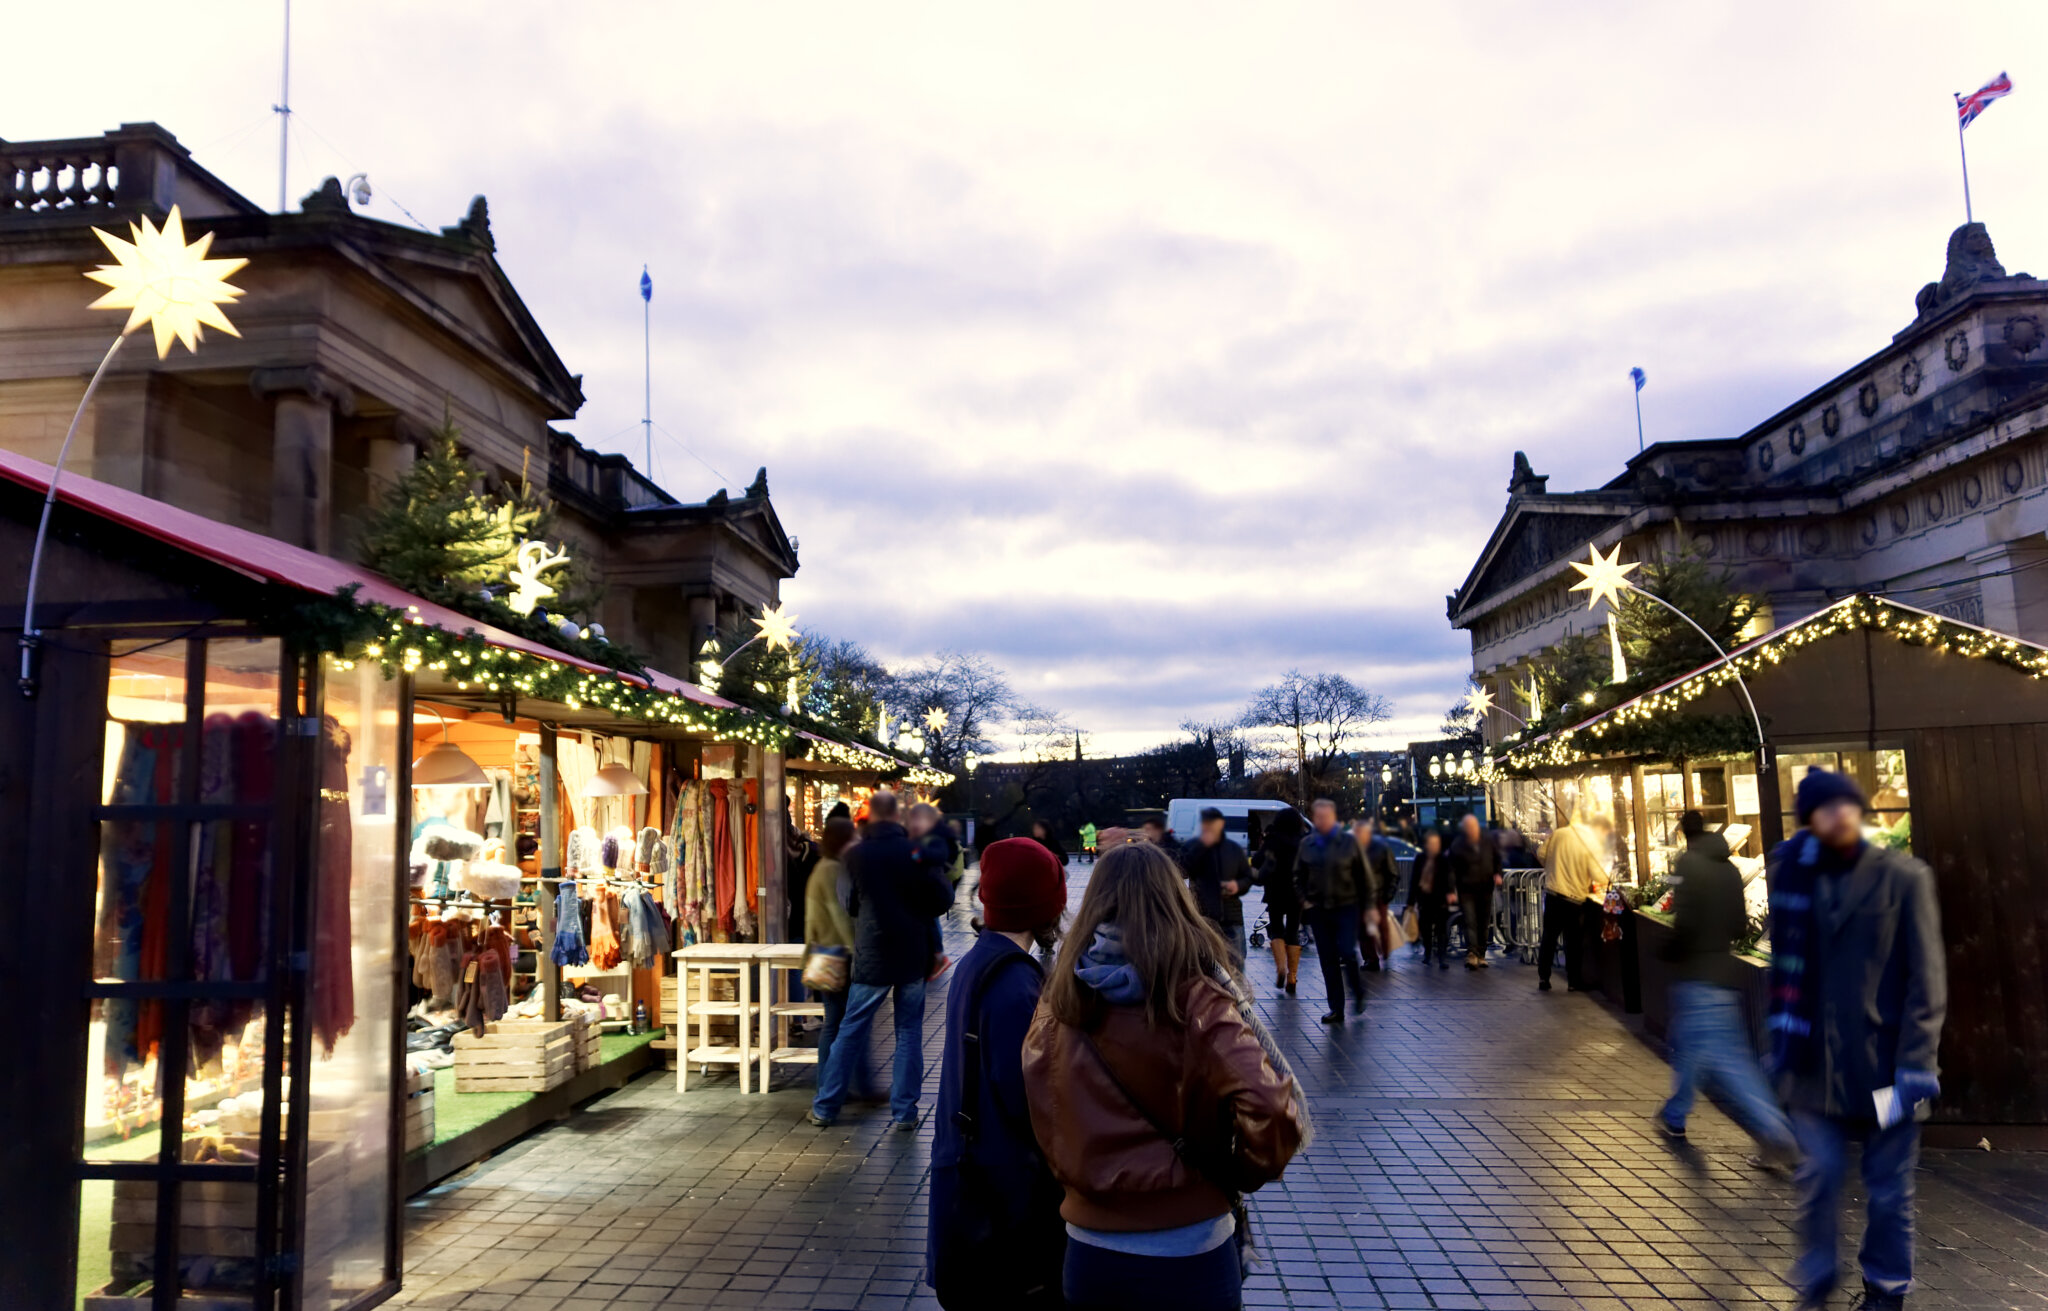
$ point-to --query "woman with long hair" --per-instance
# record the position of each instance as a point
(1158, 1098)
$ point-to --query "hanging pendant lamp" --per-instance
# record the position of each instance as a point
(446, 765)
(615, 781)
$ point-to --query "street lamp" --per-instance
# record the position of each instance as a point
(1465, 766)
(1386, 776)
(973, 762)
(1436, 767)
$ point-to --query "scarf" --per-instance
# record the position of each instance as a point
(1796, 868)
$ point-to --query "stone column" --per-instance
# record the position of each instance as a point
(304, 400)
(391, 454)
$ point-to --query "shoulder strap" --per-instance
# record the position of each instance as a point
(972, 1053)
(1178, 1141)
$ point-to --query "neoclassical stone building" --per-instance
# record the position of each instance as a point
(1920, 473)
(357, 338)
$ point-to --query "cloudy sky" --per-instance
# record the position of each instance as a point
(1150, 349)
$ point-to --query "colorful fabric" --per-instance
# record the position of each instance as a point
(1970, 106)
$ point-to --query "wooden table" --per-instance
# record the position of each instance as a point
(777, 962)
(738, 959)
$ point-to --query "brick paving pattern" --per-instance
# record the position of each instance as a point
(1479, 1145)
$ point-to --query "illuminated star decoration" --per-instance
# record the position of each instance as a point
(1479, 701)
(936, 719)
(1606, 578)
(167, 284)
(777, 627)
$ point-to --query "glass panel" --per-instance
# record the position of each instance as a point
(212, 874)
(357, 884)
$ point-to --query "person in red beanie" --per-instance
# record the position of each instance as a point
(995, 1238)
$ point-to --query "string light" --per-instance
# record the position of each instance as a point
(1915, 627)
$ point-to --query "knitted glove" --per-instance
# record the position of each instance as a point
(644, 848)
(1917, 1086)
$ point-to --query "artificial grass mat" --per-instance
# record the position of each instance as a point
(457, 1113)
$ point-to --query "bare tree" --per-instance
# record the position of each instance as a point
(1316, 717)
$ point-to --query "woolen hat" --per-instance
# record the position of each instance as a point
(1822, 786)
(1023, 887)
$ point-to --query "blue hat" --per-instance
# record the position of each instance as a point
(1822, 786)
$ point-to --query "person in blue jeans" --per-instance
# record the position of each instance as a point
(1709, 1029)
(896, 897)
(1859, 989)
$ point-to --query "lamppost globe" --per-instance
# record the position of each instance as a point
(1436, 767)
(1386, 775)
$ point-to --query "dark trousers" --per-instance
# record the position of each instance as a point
(1433, 918)
(1098, 1277)
(1477, 905)
(1336, 930)
(1564, 919)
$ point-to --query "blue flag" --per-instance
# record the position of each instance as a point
(647, 289)
(1636, 373)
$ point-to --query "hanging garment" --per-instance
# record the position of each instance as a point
(661, 867)
(212, 878)
(569, 946)
(722, 872)
(648, 931)
(643, 851)
(746, 855)
(604, 929)
(481, 997)
(498, 810)
(128, 857)
(688, 902)
(334, 983)
(753, 829)
(249, 894)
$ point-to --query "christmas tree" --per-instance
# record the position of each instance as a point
(438, 534)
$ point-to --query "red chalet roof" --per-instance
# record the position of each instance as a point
(270, 560)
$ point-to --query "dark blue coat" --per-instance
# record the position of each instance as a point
(895, 900)
(1004, 1149)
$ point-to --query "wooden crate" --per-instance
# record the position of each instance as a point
(216, 1229)
(725, 988)
(516, 1056)
(419, 1109)
(589, 1052)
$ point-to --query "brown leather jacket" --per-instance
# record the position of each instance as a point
(1209, 1082)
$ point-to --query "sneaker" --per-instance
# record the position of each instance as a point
(904, 1126)
(1543, 985)
(1334, 1017)
(818, 1121)
(1675, 1132)
(1875, 1299)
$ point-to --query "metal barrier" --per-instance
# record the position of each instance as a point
(1518, 912)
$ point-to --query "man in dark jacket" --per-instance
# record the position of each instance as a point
(1709, 1029)
(994, 1238)
(1218, 873)
(1475, 873)
(896, 898)
(1332, 879)
(1377, 939)
(1859, 989)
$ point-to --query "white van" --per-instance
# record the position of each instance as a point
(1240, 817)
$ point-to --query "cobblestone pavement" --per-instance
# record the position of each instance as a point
(1479, 1145)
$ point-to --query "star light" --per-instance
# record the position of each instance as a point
(936, 718)
(166, 283)
(1606, 578)
(777, 627)
(1479, 701)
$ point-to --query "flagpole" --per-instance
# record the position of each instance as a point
(1964, 150)
(1639, 418)
(647, 371)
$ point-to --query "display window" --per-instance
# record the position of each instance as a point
(1879, 771)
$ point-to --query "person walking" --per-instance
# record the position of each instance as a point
(829, 924)
(1088, 836)
(1157, 1095)
(1332, 880)
(898, 897)
(1218, 873)
(1042, 834)
(1475, 873)
(1709, 1031)
(1859, 989)
(1376, 921)
(994, 1237)
(1283, 902)
(1429, 891)
(1574, 876)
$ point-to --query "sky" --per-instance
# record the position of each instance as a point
(1150, 349)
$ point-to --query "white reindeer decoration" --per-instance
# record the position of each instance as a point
(528, 589)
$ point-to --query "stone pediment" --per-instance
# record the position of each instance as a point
(1530, 538)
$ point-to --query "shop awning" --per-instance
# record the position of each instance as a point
(269, 560)
(1863, 611)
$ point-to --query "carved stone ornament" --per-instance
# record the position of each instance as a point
(2023, 333)
(1758, 540)
(1866, 399)
(2012, 475)
(1973, 491)
(1902, 518)
(1957, 351)
(1813, 539)
(1934, 506)
(1795, 437)
(1869, 527)
(1909, 377)
(1831, 419)
(1766, 457)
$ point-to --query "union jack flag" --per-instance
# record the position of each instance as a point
(1968, 107)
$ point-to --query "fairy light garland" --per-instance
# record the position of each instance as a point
(839, 753)
(1584, 741)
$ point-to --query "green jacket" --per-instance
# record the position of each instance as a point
(1088, 835)
(825, 920)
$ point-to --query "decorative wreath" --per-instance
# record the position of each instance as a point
(1765, 457)
(1795, 437)
(1909, 377)
(1866, 399)
(2023, 333)
(1831, 420)
(1957, 349)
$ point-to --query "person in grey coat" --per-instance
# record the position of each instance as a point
(1859, 988)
